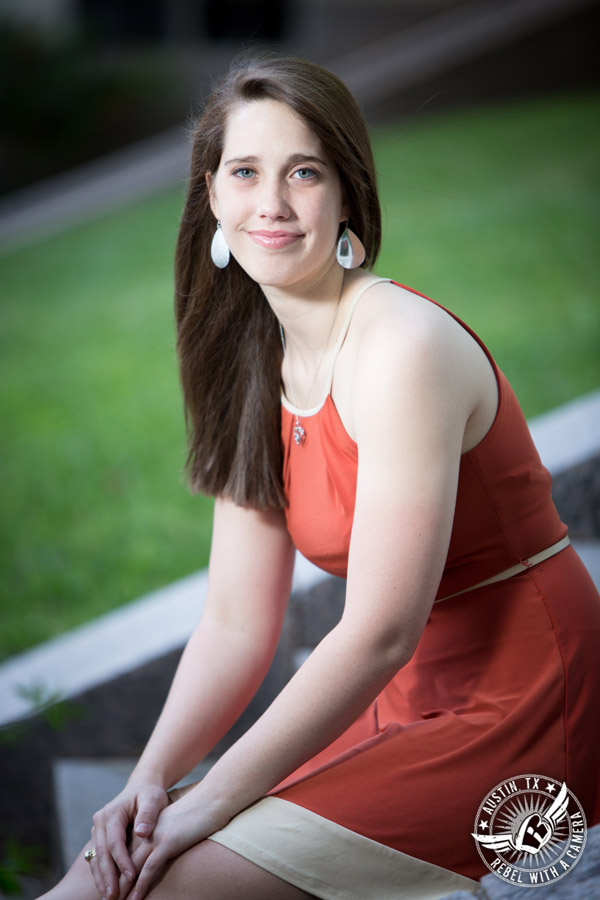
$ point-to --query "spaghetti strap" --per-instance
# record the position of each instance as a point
(305, 413)
(342, 335)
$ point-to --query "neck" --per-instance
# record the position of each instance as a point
(307, 317)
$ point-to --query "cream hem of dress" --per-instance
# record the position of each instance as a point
(330, 861)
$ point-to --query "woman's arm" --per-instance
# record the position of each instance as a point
(223, 665)
(228, 655)
(413, 396)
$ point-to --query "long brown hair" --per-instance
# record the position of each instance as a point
(227, 335)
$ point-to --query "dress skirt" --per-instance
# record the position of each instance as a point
(502, 684)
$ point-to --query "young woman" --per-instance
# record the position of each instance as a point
(358, 421)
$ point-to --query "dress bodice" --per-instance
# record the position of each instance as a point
(504, 510)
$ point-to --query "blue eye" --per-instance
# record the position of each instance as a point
(244, 172)
(305, 173)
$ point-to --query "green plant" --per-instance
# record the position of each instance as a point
(49, 705)
(18, 860)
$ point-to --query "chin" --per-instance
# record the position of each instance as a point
(286, 272)
(274, 273)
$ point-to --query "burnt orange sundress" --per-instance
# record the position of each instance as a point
(503, 681)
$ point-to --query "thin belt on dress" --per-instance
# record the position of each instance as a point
(516, 570)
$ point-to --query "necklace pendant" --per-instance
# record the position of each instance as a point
(299, 432)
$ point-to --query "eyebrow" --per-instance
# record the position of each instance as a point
(291, 161)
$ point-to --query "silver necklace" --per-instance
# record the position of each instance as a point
(299, 432)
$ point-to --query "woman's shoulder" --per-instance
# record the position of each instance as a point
(401, 344)
(392, 319)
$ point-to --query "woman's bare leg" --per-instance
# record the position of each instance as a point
(210, 871)
(207, 871)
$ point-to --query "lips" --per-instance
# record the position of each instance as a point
(274, 240)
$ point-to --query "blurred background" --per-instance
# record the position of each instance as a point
(484, 117)
(83, 77)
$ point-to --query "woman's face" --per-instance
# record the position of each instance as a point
(278, 196)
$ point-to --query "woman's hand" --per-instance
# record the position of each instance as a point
(180, 826)
(134, 811)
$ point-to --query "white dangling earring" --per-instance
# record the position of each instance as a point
(219, 251)
(350, 252)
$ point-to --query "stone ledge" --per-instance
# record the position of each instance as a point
(568, 435)
(116, 643)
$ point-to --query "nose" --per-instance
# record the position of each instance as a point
(273, 202)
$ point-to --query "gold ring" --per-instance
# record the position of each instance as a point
(89, 855)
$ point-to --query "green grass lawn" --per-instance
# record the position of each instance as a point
(493, 213)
